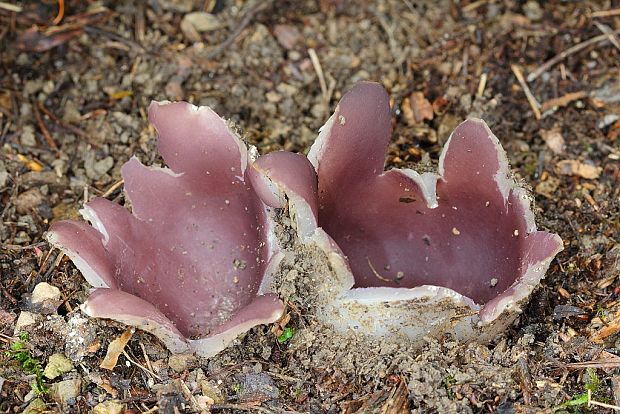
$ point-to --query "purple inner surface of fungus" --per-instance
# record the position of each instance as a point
(468, 228)
(197, 245)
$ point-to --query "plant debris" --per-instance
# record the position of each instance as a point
(276, 70)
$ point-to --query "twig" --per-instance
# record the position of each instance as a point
(601, 363)
(465, 62)
(145, 369)
(7, 246)
(113, 188)
(389, 31)
(600, 404)
(72, 128)
(242, 407)
(285, 377)
(10, 7)
(61, 12)
(473, 6)
(563, 55)
(43, 128)
(7, 295)
(572, 226)
(482, 85)
(146, 357)
(606, 13)
(562, 100)
(139, 29)
(247, 18)
(65, 301)
(316, 64)
(528, 94)
(43, 267)
(385, 279)
(610, 34)
(99, 31)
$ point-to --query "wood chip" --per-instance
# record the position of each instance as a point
(416, 108)
(562, 100)
(574, 167)
(612, 328)
(554, 140)
(287, 35)
(116, 348)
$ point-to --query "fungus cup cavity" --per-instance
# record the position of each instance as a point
(190, 263)
(455, 252)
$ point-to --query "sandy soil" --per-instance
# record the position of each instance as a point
(72, 111)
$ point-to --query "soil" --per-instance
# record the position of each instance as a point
(74, 87)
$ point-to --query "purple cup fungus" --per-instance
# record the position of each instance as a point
(189, 263)
(456, 252)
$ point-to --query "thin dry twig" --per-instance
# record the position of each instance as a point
(10, 7)
(383, 278)
(142, 367)
(610, 33)
(146, 356)
(562, 100)
(600, 404)
(482, 85)
(46, 133)
(528, 94)
(474, 5)
(77, 131)
(566, 53)
(253, 9)
(97, 31)
(112, 188)
(606, 13)
(243, 407)
(604, 360)
(8, 246)
(389, 31)
(316, 64)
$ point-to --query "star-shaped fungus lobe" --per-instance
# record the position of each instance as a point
(187, 264)
(468, 228)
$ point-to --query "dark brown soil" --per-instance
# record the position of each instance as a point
(72, 111)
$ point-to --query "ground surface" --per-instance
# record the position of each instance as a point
(72, 111)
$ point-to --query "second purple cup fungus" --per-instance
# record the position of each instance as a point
(456, 252)
(189, 264)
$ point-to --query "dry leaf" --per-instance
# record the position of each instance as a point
(35, 39)
(554, 140)
(32, 165)
(116, 348)
(421, 107)
(416, 108)
(574, 167)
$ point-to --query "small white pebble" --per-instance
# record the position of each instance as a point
(516, 232)
(455, 231)
(342, 119)
(494, 282)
